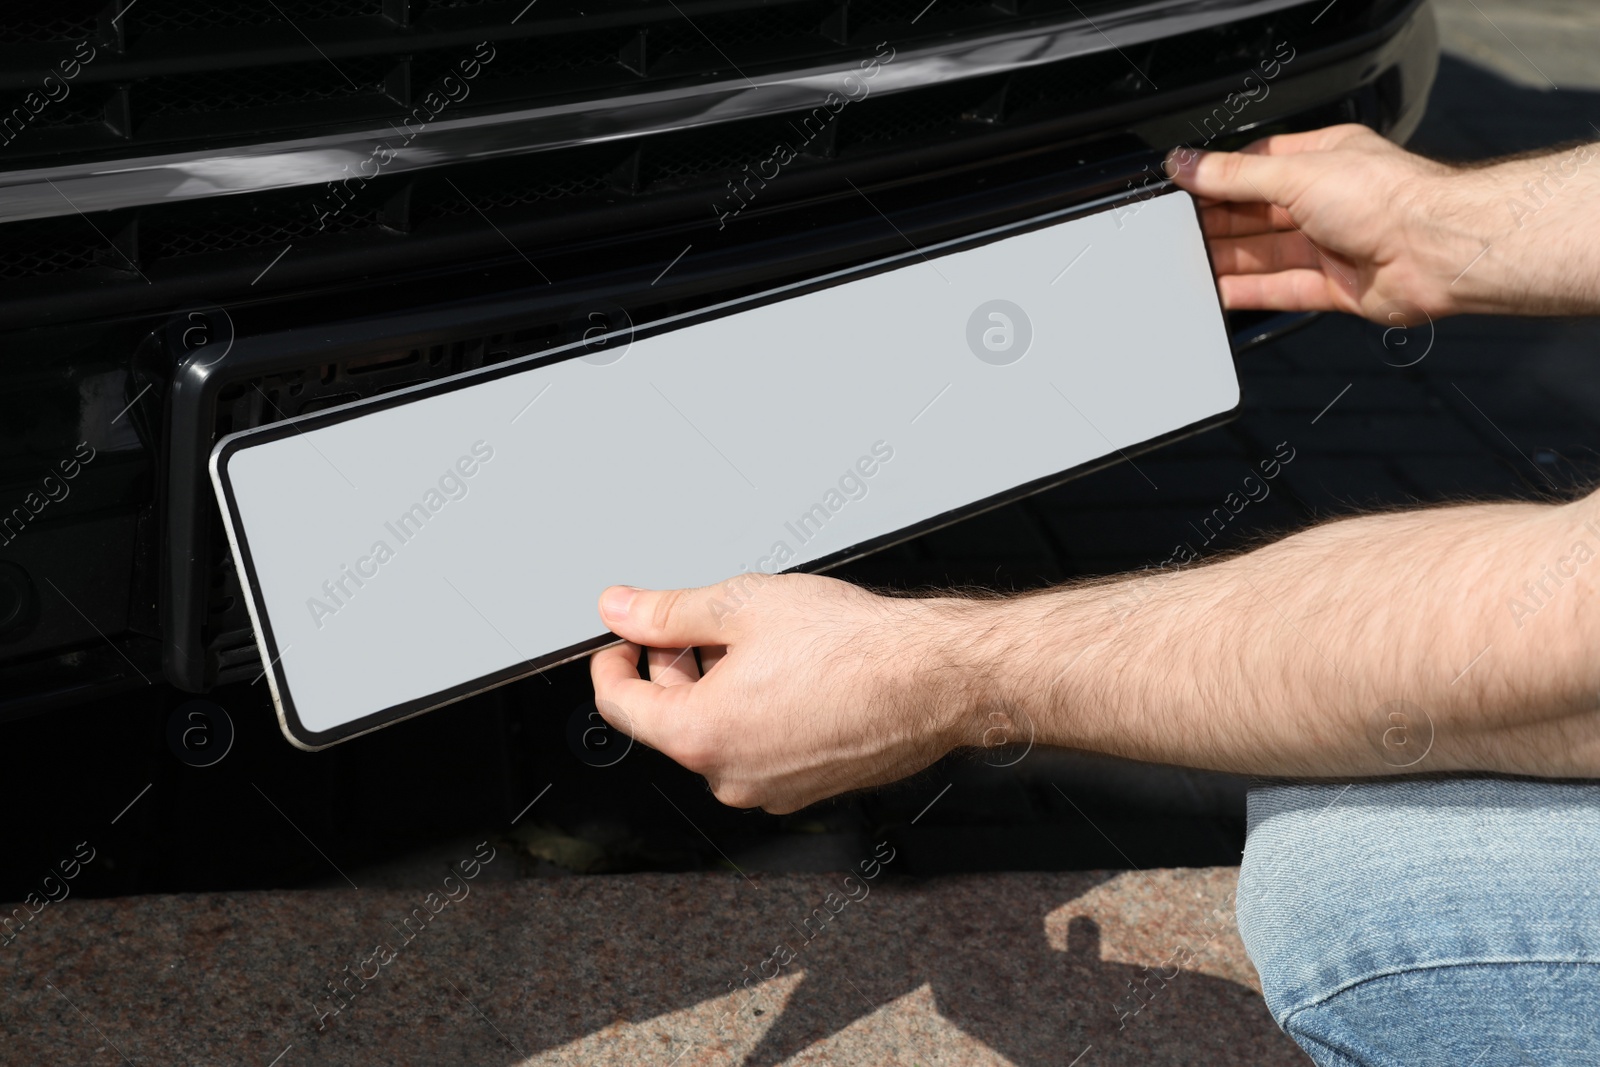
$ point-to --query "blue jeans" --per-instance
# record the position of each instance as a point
(1428, 921)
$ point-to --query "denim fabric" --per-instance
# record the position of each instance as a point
(1428, 921)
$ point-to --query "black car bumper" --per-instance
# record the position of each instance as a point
(146, 328)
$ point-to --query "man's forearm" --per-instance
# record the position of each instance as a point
(1290, 660)
(1521, 236)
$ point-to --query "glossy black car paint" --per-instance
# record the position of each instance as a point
(120, 577)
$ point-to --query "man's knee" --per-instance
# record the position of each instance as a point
(1344, 883)
(1288, 902)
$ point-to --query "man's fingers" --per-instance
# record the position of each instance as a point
(1303, 289)
(1266, 253)
(1219, 219)
(638, 708)
(1320, 140)
(1236, 176)
(673, 666)
(666, 618)
(1263, 170)
(710, 656)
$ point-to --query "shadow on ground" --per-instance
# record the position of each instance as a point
(1026, 969)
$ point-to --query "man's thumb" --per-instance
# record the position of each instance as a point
(665, 618)
(1237, 176)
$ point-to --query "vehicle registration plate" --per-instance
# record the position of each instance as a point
(405, 551)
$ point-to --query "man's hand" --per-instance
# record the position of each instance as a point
(1337, 219)
(1451, 639)
(1340, 219)
(812, 687)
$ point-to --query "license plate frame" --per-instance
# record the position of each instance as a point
(254, 546)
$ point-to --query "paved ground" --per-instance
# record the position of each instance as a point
(1541, 45)
(1029, 969)
(1017, 968)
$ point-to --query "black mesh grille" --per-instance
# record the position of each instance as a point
(875, 14)
(234, 64)
(1241, 45)
(181, 16)
(521, 195)
(507, 191)
(795, 22)
(84, 105)
(80, 109)
(221, 232)
(44, 247)
(712, 152)
(913, 116)
(1057, 86)
(211, 92)
(551, 186)
(521, 59)
(15, 29)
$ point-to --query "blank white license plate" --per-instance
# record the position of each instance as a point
(406, 551)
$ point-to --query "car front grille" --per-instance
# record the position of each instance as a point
(261, 70)
(194, 245)
(257, 71)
